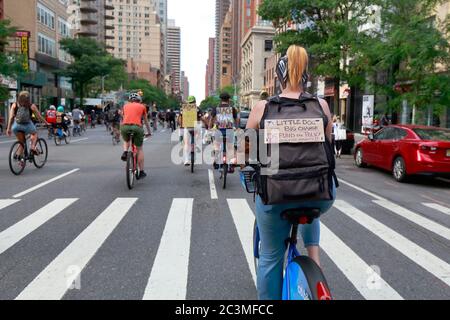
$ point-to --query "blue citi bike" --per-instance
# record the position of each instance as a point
(303, 278)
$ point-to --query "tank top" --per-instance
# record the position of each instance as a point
(23, 114)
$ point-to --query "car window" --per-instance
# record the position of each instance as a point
(433, 134)
(385, 134)
(400, 134)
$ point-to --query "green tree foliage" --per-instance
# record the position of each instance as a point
(90, 61)
(414, 52)
(209, 102)
(117, 79)
(10, 62)
(152, 94)
(330, 32)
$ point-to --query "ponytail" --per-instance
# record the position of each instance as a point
(297, 64)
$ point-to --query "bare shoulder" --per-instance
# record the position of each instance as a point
(325, 107)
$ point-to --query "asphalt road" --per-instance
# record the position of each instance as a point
(171, 238)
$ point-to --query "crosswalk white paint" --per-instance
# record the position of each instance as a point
(244, 220)
(4, 203)
(415, 218)
(21, 229)
(21, 194)
(54, 281)
(432, 264)
(354, 268)
(169, 275)
(438, 207)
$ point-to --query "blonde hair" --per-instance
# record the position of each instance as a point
(297, 64)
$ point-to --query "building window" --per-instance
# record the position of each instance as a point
(46, 45)
(45, 16)
(63, 28)
(268, 45)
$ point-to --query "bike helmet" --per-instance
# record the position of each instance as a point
(52, 107)
(61, 109)
(135, 97)
(191, 99)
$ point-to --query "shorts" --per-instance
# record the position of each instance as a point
(138, 132)
(27, 128)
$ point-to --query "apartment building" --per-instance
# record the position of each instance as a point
(40, 28)
(225, 54)
(174, 55)
(210, 69)
(222, 8)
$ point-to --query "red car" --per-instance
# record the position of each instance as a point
(407, 150)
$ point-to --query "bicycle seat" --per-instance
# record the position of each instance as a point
(301, 215)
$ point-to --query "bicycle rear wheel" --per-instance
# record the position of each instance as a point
(130, 170)
(57, 139)
(68, 137)
(192, 161)
(224, 175)
(40, 159)
(17, 161)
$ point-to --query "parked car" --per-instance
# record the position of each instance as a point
(407, 150)
(243, 115)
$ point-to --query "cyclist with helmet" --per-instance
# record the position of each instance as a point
(225, 118)
(188, 132)
(50, 117)
(133, 114)
(20, 122)
(292, 73)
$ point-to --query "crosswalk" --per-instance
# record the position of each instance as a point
(168, 276)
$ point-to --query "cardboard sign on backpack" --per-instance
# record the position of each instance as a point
(189, 111)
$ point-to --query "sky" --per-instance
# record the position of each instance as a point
(196, 18)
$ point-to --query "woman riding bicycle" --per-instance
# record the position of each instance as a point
(273, 230)
(21, 113)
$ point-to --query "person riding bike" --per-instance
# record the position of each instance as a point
(225, 118)
(21, 113)
(50, 117)
(62, 120)
(133, 114)
(154, 114)
(171, 119)
(188, 132)
(292, 73)
(77, 116)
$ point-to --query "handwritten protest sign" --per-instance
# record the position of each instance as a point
(294, 131)
(189, 115)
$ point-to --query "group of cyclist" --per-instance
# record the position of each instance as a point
(291, 71)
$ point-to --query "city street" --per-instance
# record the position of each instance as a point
(178, 235)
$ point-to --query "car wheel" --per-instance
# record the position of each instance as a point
(399, 169)
(359, 159)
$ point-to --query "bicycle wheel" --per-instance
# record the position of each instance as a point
(114, 141)
(130, 170)
(68, 137)
(192, 161)
(40, 159)
(305, 281)
(17, 162)
(57, 139)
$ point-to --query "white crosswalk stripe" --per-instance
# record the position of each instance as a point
(416, 218)
(354, 268)
(54, 281)
(169, 275)
(437, 267)
(21, 229)
(244, 220)
(438, 207)
(4, 203)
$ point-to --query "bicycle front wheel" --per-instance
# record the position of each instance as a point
(130, 171)
(224, 175)
(40, 159)
(68, 137)
(17, 161)
(192, 161)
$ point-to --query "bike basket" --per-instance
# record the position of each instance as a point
(247, 179)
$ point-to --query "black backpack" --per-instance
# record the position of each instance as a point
(305, 170)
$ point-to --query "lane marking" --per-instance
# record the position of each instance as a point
(354, 268)
(83, 139)
(21, 229)
(7, 202)
(212, 185)
(429, 262)
(438, 207)
(54, 281)
(373, 195)
(415, 218)
(169, 276)
(8, 141)
(21, 194)
(244, 220)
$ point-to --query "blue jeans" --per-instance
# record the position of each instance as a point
(273, 233)
(27, 128)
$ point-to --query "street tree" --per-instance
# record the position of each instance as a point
(412, 47)
(328, 29)
(90, 60)
(209, 102)
(152, 94)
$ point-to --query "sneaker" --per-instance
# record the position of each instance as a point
(187, 163)
(142, 175)
(124, 156)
